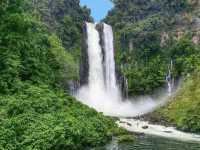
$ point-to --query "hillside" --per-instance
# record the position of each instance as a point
(39, 44)
(40, 53)
(152, 34)
(183, 109)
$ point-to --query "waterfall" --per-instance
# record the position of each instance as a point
(109, 64)
(125, 87)
(169, 79)
(95, 58)
(102, 92)
(102, 78)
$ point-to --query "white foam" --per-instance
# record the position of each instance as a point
(145, 127)
(102, 92)
(112, 106)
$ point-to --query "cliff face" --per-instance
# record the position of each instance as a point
(84, 64)
(149, 34)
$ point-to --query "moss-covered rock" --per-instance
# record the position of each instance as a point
(129, 138)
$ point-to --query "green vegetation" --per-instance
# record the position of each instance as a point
(39, 53)
(40, 118)
(149, 34)
(126, 139)
(29, 52)
(122, 135)
(40, 49)
(63, 17)
(183, 110)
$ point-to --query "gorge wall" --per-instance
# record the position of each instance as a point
(149, 34)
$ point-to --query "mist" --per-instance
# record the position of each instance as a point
(102, 92)
(112, 105)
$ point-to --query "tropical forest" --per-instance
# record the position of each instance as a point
(127, 81)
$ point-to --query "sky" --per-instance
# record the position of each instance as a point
(99, 8)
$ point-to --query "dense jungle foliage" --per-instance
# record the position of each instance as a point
(63, 17)
(39, 42)
(184, 110)
(40, 49)
(150, 34)
(38, 118)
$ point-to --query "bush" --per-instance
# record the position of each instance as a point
(184, 109)
(38, 118)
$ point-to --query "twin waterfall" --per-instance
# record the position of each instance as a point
(109, 64)
(101, 91)
(95, 57)
(102, 79)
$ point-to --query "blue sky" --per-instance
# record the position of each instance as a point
(99, 8)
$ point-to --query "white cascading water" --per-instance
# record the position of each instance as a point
(169, 83)
(109, 63)
(102, 92)
(92, 93)
(95, 58)
(169, 79)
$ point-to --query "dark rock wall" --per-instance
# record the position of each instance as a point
(84, 64)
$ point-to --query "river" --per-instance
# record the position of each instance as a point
(154, 137)
(148, 142)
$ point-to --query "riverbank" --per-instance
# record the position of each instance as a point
(183, 110)
(155, 118)
(177, 119)
(144, 127)
(150, 142)
(39, 117)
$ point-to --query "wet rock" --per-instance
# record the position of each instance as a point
(155, 118)
(129, 124)
(168, 131)
(145, 127)
(126, 139)
(123, 122)
(139, 134)
(84, 64)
